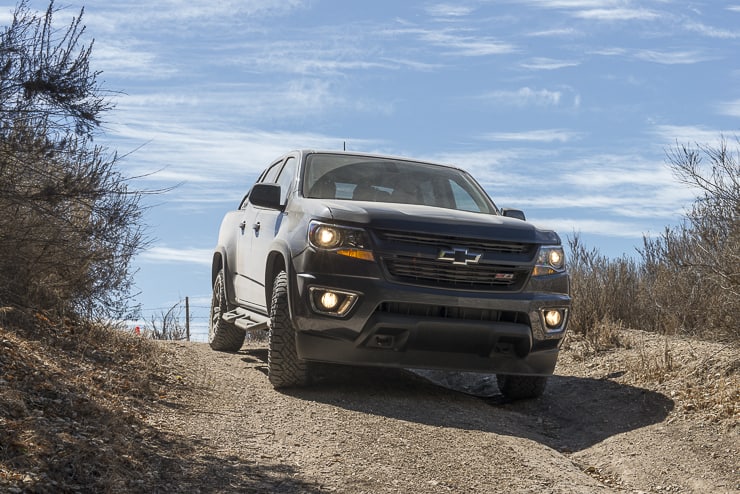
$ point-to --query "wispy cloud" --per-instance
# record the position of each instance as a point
(599, 10)
(687, 134)
(730, 108)
(542, 63)
(460, 44)
(131, 60)
(573, 4)
(616, 14)
(448, 10)
(671, 57)
(561, 32)
(712, 32)
(184, 255)
(610, 228)
(525, 96)
(176, 14)
(546, 135)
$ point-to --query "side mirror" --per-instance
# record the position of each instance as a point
(514, 213)
(266, 196)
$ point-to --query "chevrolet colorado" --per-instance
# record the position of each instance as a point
(361, 259)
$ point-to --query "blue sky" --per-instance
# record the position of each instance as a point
(562, 108)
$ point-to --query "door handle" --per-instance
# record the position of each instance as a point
(256, 227)
(242, 225)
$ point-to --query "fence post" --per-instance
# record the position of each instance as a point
(187, 318)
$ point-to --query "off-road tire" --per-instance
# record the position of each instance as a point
(222, 336)
(285, 368)
(521, 387)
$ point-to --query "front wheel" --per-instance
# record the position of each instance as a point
(521, 387)
(222, 336)
(285, 368)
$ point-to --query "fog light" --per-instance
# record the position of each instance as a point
(329, 300)
(553, 318)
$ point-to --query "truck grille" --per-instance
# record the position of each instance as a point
(414, 258)
(433, 272)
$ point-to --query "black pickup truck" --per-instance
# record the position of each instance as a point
(362, 259)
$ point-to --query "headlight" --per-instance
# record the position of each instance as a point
(550, 260)
(326, 237)
(345, 241)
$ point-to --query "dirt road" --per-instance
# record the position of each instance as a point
(383, 431)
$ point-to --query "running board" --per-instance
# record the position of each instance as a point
(246, 320)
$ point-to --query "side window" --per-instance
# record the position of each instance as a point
(269, 177)
(286, 179)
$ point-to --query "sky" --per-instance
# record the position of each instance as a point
(562, 108)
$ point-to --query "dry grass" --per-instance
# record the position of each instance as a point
(73, 397)
(701, 377)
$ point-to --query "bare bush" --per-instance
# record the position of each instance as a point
(686, 280)
(167, 325)
(604, 290)
(693, 269)
(70, 224)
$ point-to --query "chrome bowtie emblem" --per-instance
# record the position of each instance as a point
(460, 257)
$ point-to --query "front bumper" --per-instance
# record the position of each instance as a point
(401, 325)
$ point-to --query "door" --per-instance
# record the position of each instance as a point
(265, 229)
(246, 281)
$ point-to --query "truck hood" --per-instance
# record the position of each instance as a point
(440, 221)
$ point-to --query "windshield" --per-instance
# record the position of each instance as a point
(362, 178)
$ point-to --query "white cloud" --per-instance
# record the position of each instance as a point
(687, 134)
(192, 153)
(573, 4)
(600, 10)
(610, 228)
(616, 14)
(448, 10)
(186, 255)
(180, 14)
(671, 57)
(730, 108)
(465, 45)
(712, 32)
(453, 42)
(546, 135)
(130, 60)
(609, 52)
(565, 32)
(542, 63)
(526, 96)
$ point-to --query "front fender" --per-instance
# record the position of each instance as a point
(279, 259)
(221, 261)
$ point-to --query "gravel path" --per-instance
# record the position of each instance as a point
(383, 431)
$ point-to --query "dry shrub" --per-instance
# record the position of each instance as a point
(685, 281)
(603, 290)
(70, 225)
